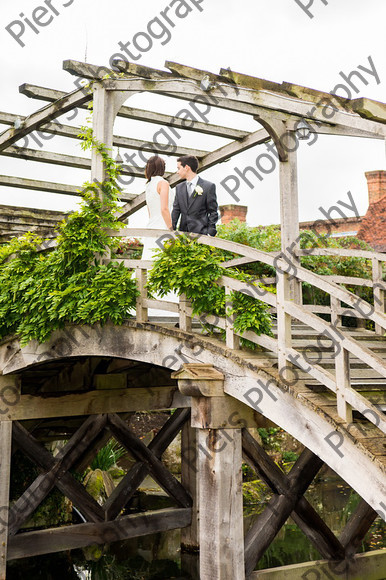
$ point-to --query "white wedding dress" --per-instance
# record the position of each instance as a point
(156, 221)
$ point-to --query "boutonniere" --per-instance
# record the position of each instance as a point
(198, 191)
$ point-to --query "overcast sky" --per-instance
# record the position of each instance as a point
(272, 39)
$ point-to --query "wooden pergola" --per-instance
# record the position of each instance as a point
(215, 388)
(279, 108)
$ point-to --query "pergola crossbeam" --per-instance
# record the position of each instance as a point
(50, 95)
(66, 103)
(92, 71)
(47, 186)
(65, 160)
(56, 128)
(242, 100)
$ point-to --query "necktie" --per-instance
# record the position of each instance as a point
(190, 189)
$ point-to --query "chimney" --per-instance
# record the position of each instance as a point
(231, 211)
(376, 184)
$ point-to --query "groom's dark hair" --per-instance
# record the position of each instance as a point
(190, 160)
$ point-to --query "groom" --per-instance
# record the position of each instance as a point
(195, 200)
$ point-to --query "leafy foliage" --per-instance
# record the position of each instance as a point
(41, 292)
(268, 239)
(107, 457)
(193, 269)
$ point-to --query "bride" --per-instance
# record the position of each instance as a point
(159, 204)
(157, 201)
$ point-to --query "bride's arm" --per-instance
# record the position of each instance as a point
(163, 190)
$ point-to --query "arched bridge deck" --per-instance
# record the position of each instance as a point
(251, 386)
(321, 382)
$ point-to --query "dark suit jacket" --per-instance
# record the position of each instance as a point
(199, 213)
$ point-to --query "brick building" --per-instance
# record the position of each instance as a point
(371, 227)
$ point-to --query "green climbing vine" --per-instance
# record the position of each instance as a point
(43, 291)
(191, 268)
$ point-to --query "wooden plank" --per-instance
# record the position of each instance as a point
(343, 252)
(284, 338)
(190, 564)
(221, 504)
(37, 185)
(65, 160)
(158, 471)
(345, 341)
(184, 308)
(105, 107)
(376, 445)
(191, 73)
(289, 215)
(141, 311)
(379, 291)
(98, 401)
(189, 479)
(247, 101)
(152, 147)
(92, 71)
(369, 109)
(367, 566)
(284, 87)
(56, 128)
(343, 382)
(47, 157)
(161, 304)
(46, 94)
(64, 104)
(5, 473)
(223, 153)
(72, 537)
(248, 288)
(349, 280)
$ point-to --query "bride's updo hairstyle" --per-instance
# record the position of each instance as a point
(154, 166)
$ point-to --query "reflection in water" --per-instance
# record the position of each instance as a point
(158, 557)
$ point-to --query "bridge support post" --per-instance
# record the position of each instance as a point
(190, 541)
(219, 475)
(5, 472)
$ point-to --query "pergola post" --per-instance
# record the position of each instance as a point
(289, 213)
(220, 499)
(106, 105)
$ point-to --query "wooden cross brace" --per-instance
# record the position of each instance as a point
(287, 501)
(56, 468)
(290, 501)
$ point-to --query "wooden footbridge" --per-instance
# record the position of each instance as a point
(321, 382)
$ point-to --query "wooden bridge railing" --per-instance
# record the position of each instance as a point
(344, 345)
